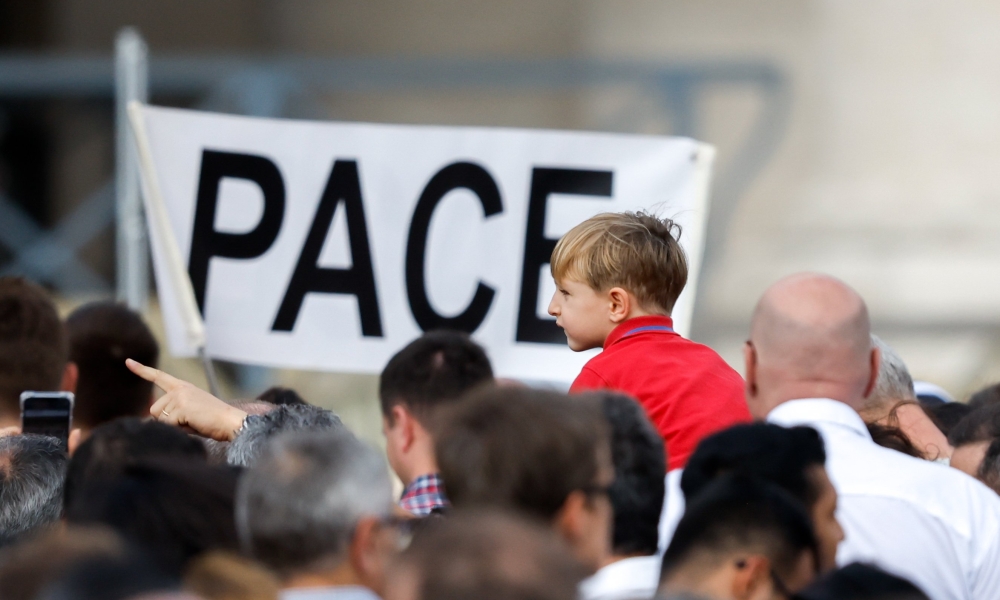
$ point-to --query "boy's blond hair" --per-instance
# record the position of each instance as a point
(633, 250)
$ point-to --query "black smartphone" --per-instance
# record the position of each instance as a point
(47, 413)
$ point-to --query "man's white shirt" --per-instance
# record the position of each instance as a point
(926, 522)
(627, 579)
(673, 509)
(335, 592)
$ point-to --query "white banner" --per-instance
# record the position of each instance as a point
(330, 246)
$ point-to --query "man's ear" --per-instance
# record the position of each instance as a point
(364, 551)
(875, 361)
(569, 521)
(753, 579)
(403, 425)
(71, 374)
(750, 363)
(619, 305)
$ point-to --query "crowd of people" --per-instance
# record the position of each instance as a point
(820, 474)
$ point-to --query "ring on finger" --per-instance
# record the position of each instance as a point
(164, 413)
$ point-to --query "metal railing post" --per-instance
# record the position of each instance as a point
(131, 249)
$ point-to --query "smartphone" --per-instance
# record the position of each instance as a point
(47, 413)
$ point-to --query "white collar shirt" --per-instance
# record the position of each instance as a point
(673, 509)
(339, 592)
(926, 522)
(627, 579)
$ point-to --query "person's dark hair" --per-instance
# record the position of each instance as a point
(113, 446)
(261, 429)
(487, 556)
(736, 513)
(778, 455)
(111, 578)
(640, 466)
(521, 449)
(280, 396)
(29, 567)
(33, 345)
(101, 336)
(947, 415)
(174, 509)
(978, 426)
(32, 471)
(988, 396)
(859, 581)
(989, 469)
(893, 438)
(436, 368)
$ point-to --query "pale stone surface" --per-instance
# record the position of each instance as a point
(885, 174)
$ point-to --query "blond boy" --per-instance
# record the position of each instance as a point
(617, 277)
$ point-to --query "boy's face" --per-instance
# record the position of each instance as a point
(583, 313)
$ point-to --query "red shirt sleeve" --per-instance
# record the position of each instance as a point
(588, 379)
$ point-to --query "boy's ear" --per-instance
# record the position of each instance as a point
(619, 305)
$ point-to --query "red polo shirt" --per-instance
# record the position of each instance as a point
(688, 391)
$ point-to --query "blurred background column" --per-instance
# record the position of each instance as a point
(131, 83)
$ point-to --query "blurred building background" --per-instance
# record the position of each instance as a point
(855, 138)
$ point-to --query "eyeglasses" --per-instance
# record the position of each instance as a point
(594, 490)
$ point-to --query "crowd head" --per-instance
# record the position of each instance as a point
(741, 538)
(508, 492)
(318, 506)
(792, 459)
(32, 473)
(540, 453)
(101, 336)
(485, 555)
(809, 338)
(34, 348)
(428, 375)
(638, 488)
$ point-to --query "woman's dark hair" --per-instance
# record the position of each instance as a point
(893, 438)
(980, 425)
(947, 415)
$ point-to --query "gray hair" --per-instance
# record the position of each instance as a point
(299, 505)
(32, 473)
(260, 429)
(894, 382)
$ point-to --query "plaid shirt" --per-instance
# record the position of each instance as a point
(424, 495)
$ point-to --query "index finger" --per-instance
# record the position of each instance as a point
(157, 377)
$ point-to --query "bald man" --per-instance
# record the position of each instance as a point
(810, 361)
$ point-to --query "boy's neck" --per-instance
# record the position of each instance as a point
(637, 312)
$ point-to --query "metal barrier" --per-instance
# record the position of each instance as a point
(265, 87)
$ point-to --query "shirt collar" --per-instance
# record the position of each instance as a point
(630, 577)
(655, 323)
(808, 411)
(424, 481)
